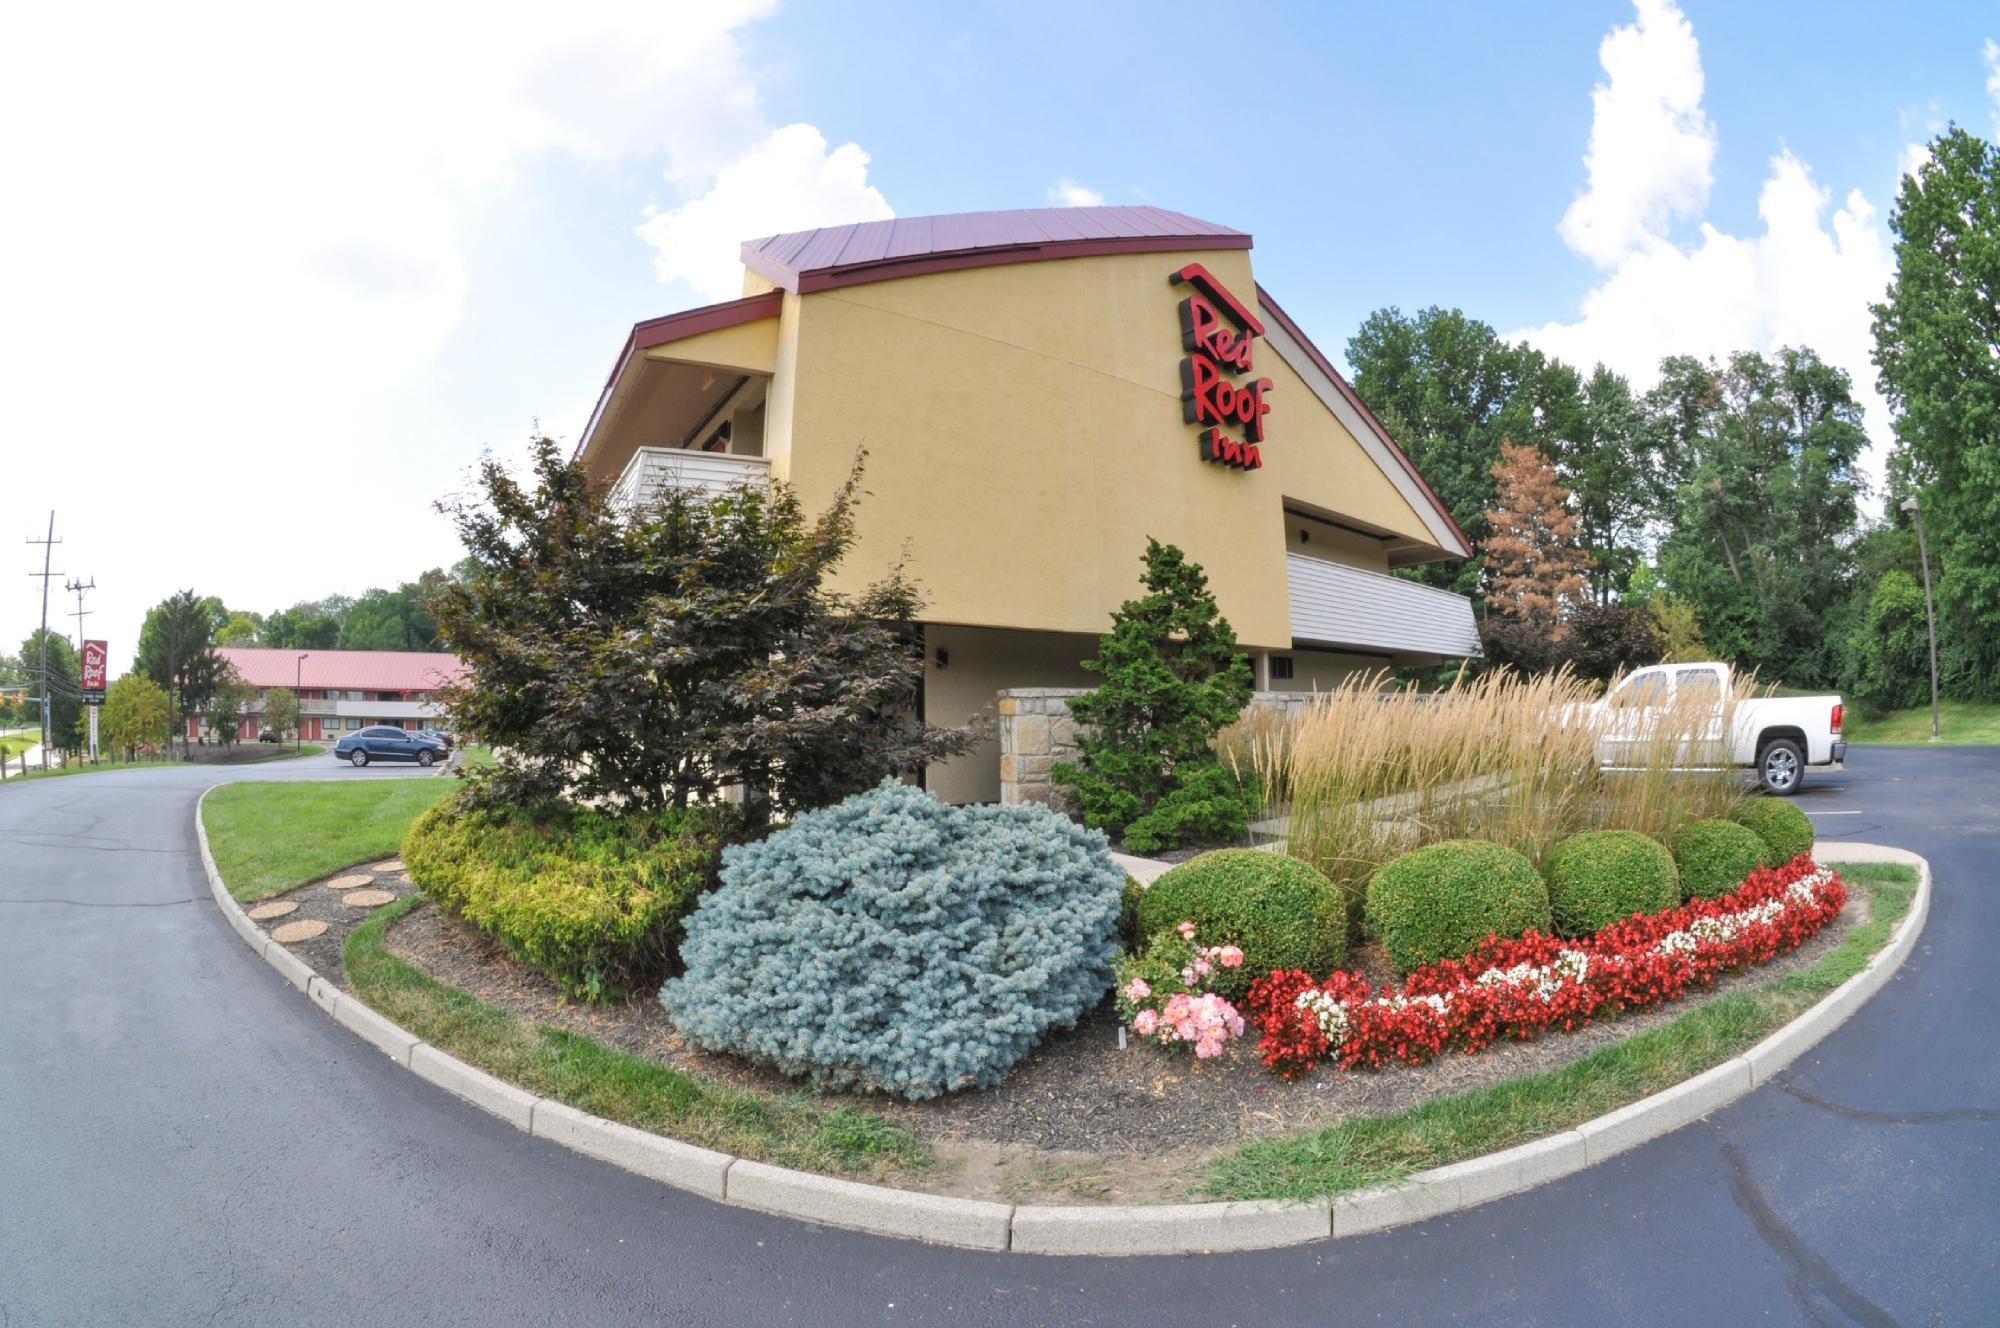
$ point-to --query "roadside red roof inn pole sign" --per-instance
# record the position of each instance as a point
(1220, 336)
(95, 655)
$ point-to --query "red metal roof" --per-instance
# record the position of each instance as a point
(352, 670)
(852, 255)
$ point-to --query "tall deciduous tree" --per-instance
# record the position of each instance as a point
(225, 708)
(1172, 679)
(1768, 512)
(1535, 568)
(1937, 344)
(177, 651)
(658, 655)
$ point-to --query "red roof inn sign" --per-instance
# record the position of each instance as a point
(1220, 336)
(95, 654)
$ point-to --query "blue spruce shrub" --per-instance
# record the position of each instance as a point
(896, 944)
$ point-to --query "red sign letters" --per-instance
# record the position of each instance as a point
(1220, 337)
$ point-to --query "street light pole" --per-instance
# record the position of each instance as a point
(299, 703)
(1915, 509)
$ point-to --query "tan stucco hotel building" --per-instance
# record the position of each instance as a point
(1038, 392)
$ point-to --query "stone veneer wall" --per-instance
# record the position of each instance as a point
(1037, 731)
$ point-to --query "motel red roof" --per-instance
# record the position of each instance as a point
(853, 255)
(344, 670)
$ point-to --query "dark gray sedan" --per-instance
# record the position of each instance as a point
(383, 742)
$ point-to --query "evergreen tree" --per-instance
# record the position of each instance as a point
(177, 651)
(1172, 680)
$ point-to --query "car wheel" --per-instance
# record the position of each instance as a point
(360, 758)
(424, 758)
(1781, 767)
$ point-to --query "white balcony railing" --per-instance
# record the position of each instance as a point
(653, 469)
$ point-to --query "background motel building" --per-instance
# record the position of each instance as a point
(1038, 392)
(342, 691)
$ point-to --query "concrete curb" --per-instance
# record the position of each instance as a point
(1161, 1229)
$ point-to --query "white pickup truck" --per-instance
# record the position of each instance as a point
(1777, 736)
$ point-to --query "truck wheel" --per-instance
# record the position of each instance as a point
(1781, 767)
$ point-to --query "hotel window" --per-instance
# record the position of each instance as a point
(1281, 668)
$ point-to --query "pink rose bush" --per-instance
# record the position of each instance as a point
(1164, 995)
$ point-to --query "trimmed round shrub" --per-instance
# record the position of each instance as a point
(594, 901)
(895, 944)
(1280, 911)
(1443, 900)
(1604, 876)
(1785, 830)
(1715, 857)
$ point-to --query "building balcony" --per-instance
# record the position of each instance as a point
(654, 470)
(1339, 607)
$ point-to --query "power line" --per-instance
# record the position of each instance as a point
(79, 587)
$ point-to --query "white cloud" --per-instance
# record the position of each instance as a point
(1992, 54)
(1807, 280)
(234, 234)
(1073, 193)
(1652, 149)
(788, 182)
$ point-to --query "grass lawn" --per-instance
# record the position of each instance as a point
(13, 744)
(792, 1130)
(268, 838)
(85, 768)
(1960, 724)
(1360, 1153)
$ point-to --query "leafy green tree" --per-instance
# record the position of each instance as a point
(65, 689)
(1606, 459)
(1172, 680)
(1449, 390)
(659, 655)
(1768, 509)
(307, 625)
(281, 712)
(1937, 345)
(136, 714)
(177, 651)
(240, 629)
(398, 619)
(1890, 666)
(225, 708)
(1679, 629)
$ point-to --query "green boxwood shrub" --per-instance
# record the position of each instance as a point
(1604, 876)
(595, 901)
(1785, 830)
(1715, 857)
(1279, 910)
(1441, 901)
(893, 943)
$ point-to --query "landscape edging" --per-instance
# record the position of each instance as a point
(1112, 1230)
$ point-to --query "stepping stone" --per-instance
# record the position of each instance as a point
(294, 932)
(277, 908)
(350, 882)
(368, 899)
(389, 868)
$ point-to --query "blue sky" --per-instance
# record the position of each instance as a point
(319, 262)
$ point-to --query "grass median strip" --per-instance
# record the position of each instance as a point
(268, 838)
(1371, 1151)
(582, 1073)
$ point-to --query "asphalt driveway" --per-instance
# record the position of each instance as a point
(188, 1140)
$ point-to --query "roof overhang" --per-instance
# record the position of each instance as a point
(1339, 397)
(655, 333)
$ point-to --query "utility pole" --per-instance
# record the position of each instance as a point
(78, 588)
(1916, 510)
(48, 544)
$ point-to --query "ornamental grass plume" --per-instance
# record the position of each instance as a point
(1366, 771)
